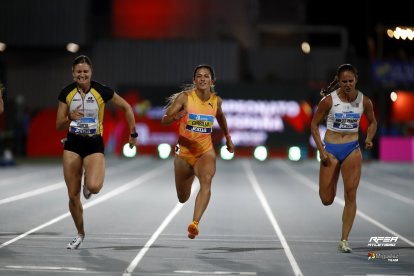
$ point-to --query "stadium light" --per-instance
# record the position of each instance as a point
(260, 153)
(401, 33)
(318, 156)
(294, 154)
(164, 150)
(3, 47)
(128, 152)
(72, 47)
(225, 154)
(393, 96)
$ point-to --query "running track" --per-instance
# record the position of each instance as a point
(264, 218)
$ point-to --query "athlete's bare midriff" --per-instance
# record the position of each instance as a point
(340, 137)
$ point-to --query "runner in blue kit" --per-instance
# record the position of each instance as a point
(342, 107)
(81, 112)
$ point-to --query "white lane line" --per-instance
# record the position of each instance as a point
(153, 238)
(394, 179)
(32, 267)
(27, 177)
(132, 184)
(56, 186)
(50, 222)
(383, 191)
(312, 185)
(36, 192)
(252, 178)
(386, 192)
(196, 272)
(134, 263)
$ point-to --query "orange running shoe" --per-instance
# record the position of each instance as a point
(193, 229)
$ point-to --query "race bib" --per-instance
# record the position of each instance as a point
(346, 120)
(200, 123)
(85, 125)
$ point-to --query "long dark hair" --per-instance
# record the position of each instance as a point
(334, 84)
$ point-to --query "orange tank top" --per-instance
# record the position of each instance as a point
(196, 127)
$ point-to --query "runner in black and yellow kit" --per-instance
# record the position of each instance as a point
(81, 111)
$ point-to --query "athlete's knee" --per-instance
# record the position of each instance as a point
(182, 198)
(327, 202)
(95, 187)
(206, 179)
(326, 199)
(74, 199)
(350, 196)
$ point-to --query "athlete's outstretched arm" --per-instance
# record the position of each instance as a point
(321, 112)
(221, 120)
(372, 122)
(129, 114)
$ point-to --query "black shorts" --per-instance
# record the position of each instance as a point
(84, 145)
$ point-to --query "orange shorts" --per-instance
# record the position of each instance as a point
(190, 157)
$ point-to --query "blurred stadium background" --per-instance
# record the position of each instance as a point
(271, 60)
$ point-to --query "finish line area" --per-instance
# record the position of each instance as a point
(264, 218)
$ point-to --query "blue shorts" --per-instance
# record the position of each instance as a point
(341, 151)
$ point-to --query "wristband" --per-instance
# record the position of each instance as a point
(134, 135)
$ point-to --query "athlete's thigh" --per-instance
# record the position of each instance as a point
(351, 169)
(72, 171)
(94, 165)
(328, 175)
(184, 172)
(206, 164)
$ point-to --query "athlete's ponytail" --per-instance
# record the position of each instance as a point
(332, 86)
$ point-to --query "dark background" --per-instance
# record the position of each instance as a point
(250, 43)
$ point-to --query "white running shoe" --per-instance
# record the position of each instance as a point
(76, 242)
(344, 247)
(86, 193)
